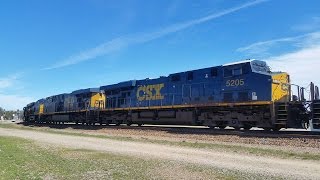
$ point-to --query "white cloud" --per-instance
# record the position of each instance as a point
(9, 81)
(311, 25)
(5, 82)
(263, 47)
(122, 42)
(14, 102)
(302, 65)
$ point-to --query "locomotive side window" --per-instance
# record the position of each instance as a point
(227, 72)
(175, 78)
(214, 72)
(237, 71)
(190, 76)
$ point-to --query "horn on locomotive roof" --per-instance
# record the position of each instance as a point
(316, 93)
(312, 92)
(302, 94)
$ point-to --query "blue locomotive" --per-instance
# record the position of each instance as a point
(241, 95)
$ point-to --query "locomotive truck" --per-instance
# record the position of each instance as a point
(243, 95)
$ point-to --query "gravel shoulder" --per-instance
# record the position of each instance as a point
(246, 163)
(196, 135)
(191, 135)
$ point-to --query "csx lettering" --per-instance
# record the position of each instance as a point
(150, 92)
(235, 82)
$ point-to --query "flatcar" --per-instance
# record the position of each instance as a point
(244, 94)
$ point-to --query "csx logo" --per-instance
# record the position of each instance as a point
(150, 92)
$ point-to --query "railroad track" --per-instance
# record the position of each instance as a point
(201, 130)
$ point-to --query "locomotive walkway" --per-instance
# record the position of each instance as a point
(275, 167)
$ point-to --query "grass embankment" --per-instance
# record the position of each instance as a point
(22, 159)
(259, 151)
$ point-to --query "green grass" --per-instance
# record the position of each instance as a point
(22, 159)
(215, 146)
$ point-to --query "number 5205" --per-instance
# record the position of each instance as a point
(235, 82)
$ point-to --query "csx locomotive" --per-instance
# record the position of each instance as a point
(240, 95)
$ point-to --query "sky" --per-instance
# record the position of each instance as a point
(57, 46)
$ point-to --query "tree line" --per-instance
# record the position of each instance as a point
(8, 115)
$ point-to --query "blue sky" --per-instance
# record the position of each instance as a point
(52, 47)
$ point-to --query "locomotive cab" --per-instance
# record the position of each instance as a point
(91, 98)
(246, 81)
(280, 90)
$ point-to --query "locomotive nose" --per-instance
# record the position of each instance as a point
(280, 87)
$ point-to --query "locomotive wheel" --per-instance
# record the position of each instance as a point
(139, 124)
(222, 127)
(129, 124)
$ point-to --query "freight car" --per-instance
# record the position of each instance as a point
(241, 95)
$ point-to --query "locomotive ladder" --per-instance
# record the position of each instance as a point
(281, 114)
(316, 114)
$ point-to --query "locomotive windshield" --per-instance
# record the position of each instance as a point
(260, 67)
(244, 67)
